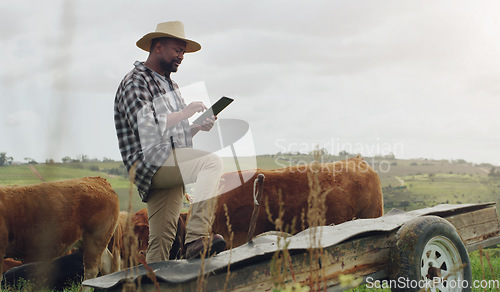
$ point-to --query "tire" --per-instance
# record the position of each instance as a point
(426, 249)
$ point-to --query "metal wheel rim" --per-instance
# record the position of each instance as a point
(440, 252)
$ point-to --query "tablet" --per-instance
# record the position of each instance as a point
(214, 110)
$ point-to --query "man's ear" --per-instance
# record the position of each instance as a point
(157, 47)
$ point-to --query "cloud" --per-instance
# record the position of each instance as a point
(300, 71)
(23, 118)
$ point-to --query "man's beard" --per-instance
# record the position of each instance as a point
(168, 66)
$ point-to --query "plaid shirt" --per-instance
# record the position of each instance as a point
(141, 108)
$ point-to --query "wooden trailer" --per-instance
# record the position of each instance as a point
(404, 249)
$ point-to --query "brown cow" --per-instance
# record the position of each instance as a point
(115, 245)
(353, 191)
(141, 230)
(139, 221)
(41, 222)
(10, 263)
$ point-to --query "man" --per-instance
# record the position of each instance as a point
(155, 140)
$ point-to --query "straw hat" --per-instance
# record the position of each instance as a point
(171, 29)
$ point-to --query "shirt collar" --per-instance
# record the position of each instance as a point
(141, 67)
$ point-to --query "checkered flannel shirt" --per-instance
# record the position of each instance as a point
(141, 108)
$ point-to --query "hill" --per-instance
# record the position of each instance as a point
(407, 184)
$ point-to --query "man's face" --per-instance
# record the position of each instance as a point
(172, 53)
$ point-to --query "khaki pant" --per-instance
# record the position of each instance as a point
(167, 194)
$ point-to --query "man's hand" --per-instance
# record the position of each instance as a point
(192, 108)
(205, 126)
(208, 123)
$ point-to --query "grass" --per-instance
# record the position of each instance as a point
(486, 265)
(26, 286)
(23, 175)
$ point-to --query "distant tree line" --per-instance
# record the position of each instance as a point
(4, 159)
(494, 172)
(8, 160)
(84, 158)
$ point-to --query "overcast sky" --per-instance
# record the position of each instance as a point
(416, 78)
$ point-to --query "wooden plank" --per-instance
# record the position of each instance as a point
(482, 244)
(476, 226)
(476, 217)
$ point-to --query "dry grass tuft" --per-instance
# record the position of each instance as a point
(487, 256)
(282, 271)
(229, 228)
(316, 217)
(202, 276)
(281, 263)
(131, 245)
